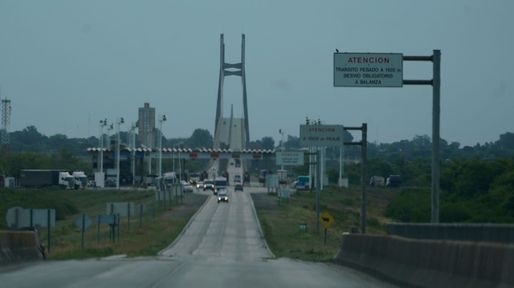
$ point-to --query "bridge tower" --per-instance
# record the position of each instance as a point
(231, 132)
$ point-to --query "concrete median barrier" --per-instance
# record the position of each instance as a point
(19, 246)
(430, 263)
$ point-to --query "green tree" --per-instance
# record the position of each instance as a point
(268, 143)
(199, 139)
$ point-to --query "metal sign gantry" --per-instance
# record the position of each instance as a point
(378, 61)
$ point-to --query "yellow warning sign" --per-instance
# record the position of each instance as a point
(326, 219)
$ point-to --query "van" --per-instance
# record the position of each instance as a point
(302, 183)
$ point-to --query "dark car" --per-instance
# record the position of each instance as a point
(222, 195)
(238, 187)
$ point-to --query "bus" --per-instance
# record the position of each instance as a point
(220, 183)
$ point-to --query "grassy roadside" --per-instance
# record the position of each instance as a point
(160, 226)
(280, 220)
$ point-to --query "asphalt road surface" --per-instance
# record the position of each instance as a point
(222, 247)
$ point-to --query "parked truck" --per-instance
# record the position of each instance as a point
(80, 179)
(37, 178)
(377, 181)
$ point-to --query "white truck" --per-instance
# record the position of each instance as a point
(80, 179)
(66, 180)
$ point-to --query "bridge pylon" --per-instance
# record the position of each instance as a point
(231, 133)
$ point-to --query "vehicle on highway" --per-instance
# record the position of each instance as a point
(110, 182)
(186, 187)
(194, 178)
(37, 178)
(238, 187)
(208, 185)
(220, 183)
(222, 195)
(262, 175)
(170, 178)
(377, 181)
(237, 179)
(302, 183)
(199, 185)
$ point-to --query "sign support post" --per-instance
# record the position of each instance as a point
(48, 228)
(327, 221)
(436, 116)
(386, 70)
(364, 163)
(364, 153)
(315, 136)
(436, 174)
(82, 228)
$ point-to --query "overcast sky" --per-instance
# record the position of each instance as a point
(67, 64)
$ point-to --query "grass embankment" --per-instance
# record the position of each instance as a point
(280, 220)
(160, 225)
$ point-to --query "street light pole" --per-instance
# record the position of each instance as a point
(118, 123)
(281, 144)
(100, 163)
(341, 166)
(162, 118)
(133, 152)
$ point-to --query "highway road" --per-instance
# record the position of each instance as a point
(222, 247)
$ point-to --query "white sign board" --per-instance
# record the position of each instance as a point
(271, 181)
(83, 225)
(18, 217)
(106, 219)
(289, 158)
(123, 208)
(368, 70)
(284, 193)
(321, 135)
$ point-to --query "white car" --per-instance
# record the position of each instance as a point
(186, 186)
(222, 195)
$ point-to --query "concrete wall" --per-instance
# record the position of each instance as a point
(430, 263)
(19, 246)
(502, 233)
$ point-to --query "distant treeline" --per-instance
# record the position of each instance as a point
(472, 190)
(409, 158)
